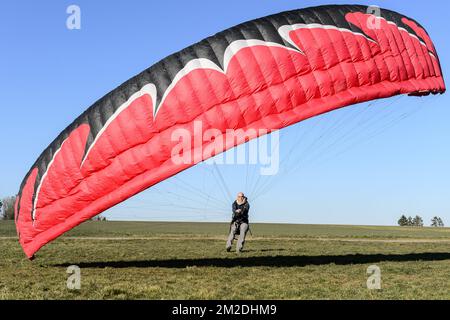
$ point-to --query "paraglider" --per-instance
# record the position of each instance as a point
(267, 73)
(239, 223)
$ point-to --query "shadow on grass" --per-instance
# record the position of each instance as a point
(266, 261)
(265, 250)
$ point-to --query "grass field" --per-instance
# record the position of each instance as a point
(160, 260)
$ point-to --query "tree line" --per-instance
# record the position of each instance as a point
(7, 210)
(7, 213)
(417, 221)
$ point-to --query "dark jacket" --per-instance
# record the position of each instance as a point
(242, 216)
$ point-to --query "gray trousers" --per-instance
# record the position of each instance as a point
(243, 232)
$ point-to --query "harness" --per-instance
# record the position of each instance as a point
(237, 231)
(237, 221)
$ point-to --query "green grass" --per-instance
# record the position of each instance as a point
(163, 260)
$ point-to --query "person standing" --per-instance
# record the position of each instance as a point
(239, 223)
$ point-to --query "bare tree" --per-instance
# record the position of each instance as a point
(8, 208)
(418, 221)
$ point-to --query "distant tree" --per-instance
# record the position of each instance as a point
(99, 218)
(410, 222)
(8, 208)
(417, 221)
(437, 222)
(434, 222)
(403, 221)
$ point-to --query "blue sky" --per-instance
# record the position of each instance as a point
(49, 75)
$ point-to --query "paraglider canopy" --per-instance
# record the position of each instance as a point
(267, 73)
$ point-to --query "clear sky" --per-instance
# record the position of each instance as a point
(49, 75)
